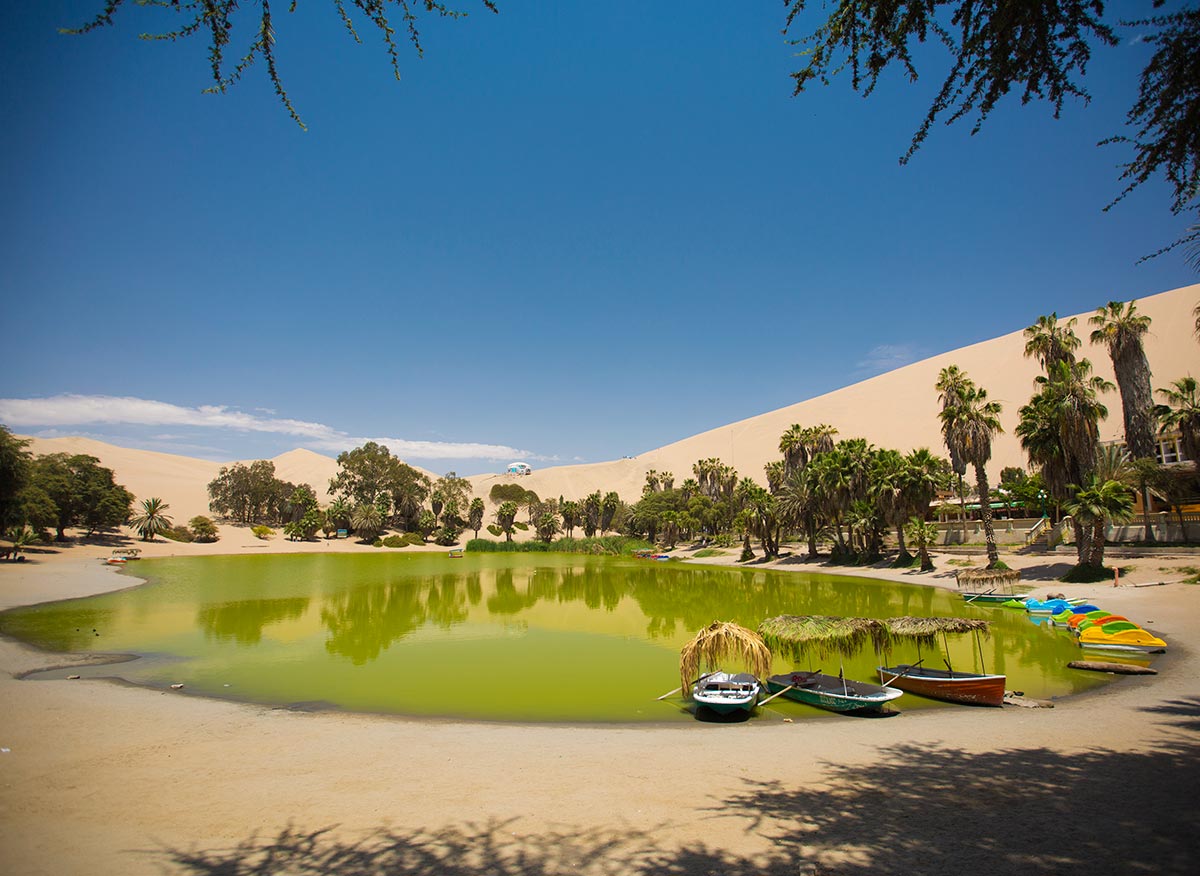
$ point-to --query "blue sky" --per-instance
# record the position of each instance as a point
(571, 232)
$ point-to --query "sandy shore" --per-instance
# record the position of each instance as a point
(104, 778)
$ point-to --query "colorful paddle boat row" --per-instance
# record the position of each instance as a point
(1100, 630)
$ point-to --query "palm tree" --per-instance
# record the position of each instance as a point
(367, 521)
(969, 421)
(797, 503)
(791, 445)
(151, 520)
(1060, 431)
(1094, 505)
(887, 486)
(339, 513)
(1182, 413)
(952, 381)
(1051, 343)
(505, 516)
(922, 534)
(1120, 328)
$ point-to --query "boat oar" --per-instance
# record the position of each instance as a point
(776, 694)
(678, 689)
(901, 675)
(986, 593)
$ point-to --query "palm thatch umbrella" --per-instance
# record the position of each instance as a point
(823, 635)
(991, 578)
(926, 629)
(719, 642)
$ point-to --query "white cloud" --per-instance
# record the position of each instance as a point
(888, 357)
(84, 410)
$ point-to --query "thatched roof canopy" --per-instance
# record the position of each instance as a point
(721, 642)
(822, 635)
(924, 630)
(987, 578)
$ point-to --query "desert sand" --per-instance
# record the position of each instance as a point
(897, 409)
(100, 777)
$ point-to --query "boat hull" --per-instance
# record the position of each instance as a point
(986, 598)
(958, 687)
(1108, 639)
(726, 693)
(830, 692)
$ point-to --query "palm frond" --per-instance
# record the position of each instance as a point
(822, 635)
(722, 642)
(925, 630)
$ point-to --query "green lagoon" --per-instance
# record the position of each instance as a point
(505, 637)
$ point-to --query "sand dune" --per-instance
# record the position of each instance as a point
(898, 409)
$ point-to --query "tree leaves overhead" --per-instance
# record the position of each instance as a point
(218, 18)
(996, 46)
(1039, 49)
(1167, 117)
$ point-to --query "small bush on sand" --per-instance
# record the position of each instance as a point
(263, 532)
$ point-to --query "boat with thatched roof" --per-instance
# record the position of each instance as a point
(988, 585)
(822, 636)
(725, 692)
(949, 684)
(720, 643)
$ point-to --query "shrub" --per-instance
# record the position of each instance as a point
(377, 543)
(395, 541)
(609, 545)
(413, 538)
(178, 533)
(263, 532)
(203, 529)
(1087, 574)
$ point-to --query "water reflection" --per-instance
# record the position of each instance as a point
(365, 620)
(345, 628)
(243, 621)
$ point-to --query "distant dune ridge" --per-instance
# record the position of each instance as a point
(898, 409)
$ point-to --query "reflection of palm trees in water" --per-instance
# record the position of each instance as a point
(364, 621)
(243, 621)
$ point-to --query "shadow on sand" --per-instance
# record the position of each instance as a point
(923, 809)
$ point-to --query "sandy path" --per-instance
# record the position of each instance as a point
(103, 778)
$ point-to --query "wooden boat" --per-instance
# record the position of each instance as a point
(986, 597)
(717, 645)
(456, 553)
(1099, 639)
(115, 561)
(951, 685)
(836, 693)
(725, 692)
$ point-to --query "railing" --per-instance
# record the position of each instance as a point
(1035, 531)
(1060, 532)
